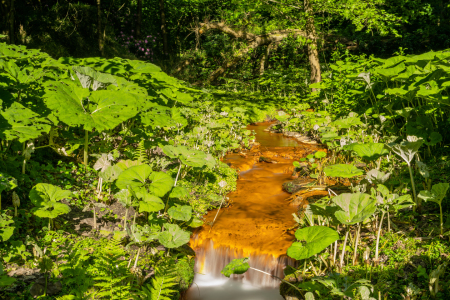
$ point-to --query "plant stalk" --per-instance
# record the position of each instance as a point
(343, 248)
(223, 198)
(356, 244)
(378, 236)
(413, 187)
(86, 142)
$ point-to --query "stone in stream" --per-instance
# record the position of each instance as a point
(295, 185)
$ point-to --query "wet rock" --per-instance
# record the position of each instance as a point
(23, 272)
(53, 288)
(267, 160)
(161, 248)
(294, 185)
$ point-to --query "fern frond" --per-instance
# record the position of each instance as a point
(161, 286)
(141, 153)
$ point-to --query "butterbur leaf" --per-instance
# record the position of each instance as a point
(179, 192)
(7, 182)
(43, 193)
(161, 183)
(312, 240)
(52, 210)
(435, 137)
(320, 154)
(195, 222)
(309, 296)
(21, 123)
(355, 207)
(111, 173)
(369, 151)
(150, 203)
(236, 266)
(106, 108)
(406, 149)
(124, 197)
(437, 194)
(173, 236)
(342, 170)
(376, 176)
(6, 228)
(102, 163)
(181, 213)
(134, 177)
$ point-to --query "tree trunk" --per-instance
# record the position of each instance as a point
(265, 58)
(253, 41)
(139, 19)
(99, 29)
(11, 32)
(313, 53)
(163, 27)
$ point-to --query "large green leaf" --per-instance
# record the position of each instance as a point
(102, 110)
(179, 192)
(52, 210)
(43, 193)
(142, 180)
(342, 170)
(22, 123)
(236, 266)
(7, 182)
(173, 236)
(6, 228)
(150, 203)
(437, 194)
(312, 240)
(369, 151)
(406, 150)
(193, 158)
(355, 207)
(181, 213)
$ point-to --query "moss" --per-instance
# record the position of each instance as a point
(185, 270)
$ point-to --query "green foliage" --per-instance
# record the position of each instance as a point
(5, 280)
(341, 170)
(111, 272)
(236, 266)
(355, 208)
(311, 240)
(6, 228)
(162, 284)
(45, 197)
(173, 236)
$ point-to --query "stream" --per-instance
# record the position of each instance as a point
(256, 224)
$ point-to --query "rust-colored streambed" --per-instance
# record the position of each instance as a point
(256, 225)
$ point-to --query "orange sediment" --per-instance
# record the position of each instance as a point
(259, 219)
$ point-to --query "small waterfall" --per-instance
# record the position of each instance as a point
(211, 261)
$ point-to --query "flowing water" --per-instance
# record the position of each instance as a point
(257, 224)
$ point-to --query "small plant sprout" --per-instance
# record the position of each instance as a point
(222, 185)
(16, 202)
(436, 195)
(407, 150)
(27, 155)
(241, 265)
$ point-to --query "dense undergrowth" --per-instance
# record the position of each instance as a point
(382, 233)
(115, 226)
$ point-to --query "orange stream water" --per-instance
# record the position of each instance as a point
(258, 221)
